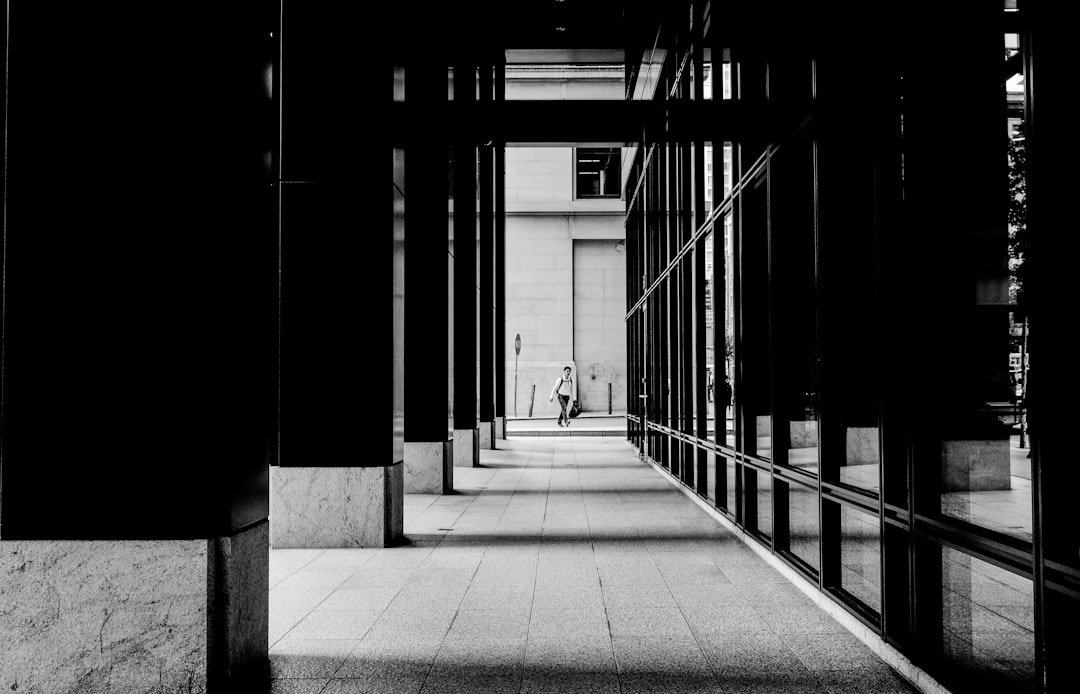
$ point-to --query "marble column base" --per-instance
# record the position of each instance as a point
(429, 467)
(135, 615)
(487, 435)
(500, 427)
(324, 507)
(466, 448)
(975, 465)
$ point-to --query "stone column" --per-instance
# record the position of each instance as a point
(339, 483)
(140, 332)
(466, 431)
(428, 449)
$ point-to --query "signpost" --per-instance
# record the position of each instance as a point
(517, 351)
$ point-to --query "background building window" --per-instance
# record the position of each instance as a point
(598, 172)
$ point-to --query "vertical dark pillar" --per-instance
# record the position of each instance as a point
(428, 451)
(466, 432)
(1050, 287)
(336, 416)
(486, 182)
(500, 254)
(139, 338)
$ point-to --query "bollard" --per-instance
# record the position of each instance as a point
(532, 398)
(609, 397)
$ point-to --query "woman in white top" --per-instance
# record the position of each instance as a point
(564, 388)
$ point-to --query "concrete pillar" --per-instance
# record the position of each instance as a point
(466, 448)
(316, 507)
(429, 467)
(140, 292)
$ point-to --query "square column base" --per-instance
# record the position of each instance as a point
(466, 448)
(142, 615)
(487, 435)
(500, 427)
(429, 467)
(325, 507)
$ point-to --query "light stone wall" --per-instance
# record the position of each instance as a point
(565, 286)
(599, 328)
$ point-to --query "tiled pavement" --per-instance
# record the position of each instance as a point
(563, 564)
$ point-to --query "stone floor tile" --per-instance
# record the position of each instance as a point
(659, 655)
(621, 596)
(298, 686)
(497, 596)
(483, 624)
(364, 598)
(837, 652)
(865, 681)
(328, 624)
(580, 621)
(755, 680)
(648, 621)
(308, 658)
(569, 654)
(575, 683)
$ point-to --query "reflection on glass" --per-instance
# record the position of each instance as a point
(755, 385)
(732, 489)
(710, 339)
(711, 460)
(862, 461)
(399, 302)
(729, 160)
(726, 388)
(450, 307)
(860, 556)
(533, 76)
(707, 87)
(764, 502)
(985, 464)
(803, 524)
(794, 266)
(988, 618)
(710, 199)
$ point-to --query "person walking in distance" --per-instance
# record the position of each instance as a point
(567, 392)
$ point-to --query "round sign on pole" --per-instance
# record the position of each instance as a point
(517, 344)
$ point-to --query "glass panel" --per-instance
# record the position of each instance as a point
(725, 76)
(707, 87)
(726, 390)
(711, 461)
(794, 305)
(988, 622)
(985, 464)
(399, 302)
(710, 339)
(535, 75)
(450, 301)
(598, 172)
(860, 556)
(729, 168)
(755, 384)
(764, 501)
(732, 489)
(710, 179)
(862, 461)
(804, 525)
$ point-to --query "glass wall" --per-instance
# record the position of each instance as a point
(843, 270)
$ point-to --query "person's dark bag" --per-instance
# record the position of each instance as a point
(575, 410)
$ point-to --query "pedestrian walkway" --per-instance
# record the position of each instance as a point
(585, 424)
(562, 564)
